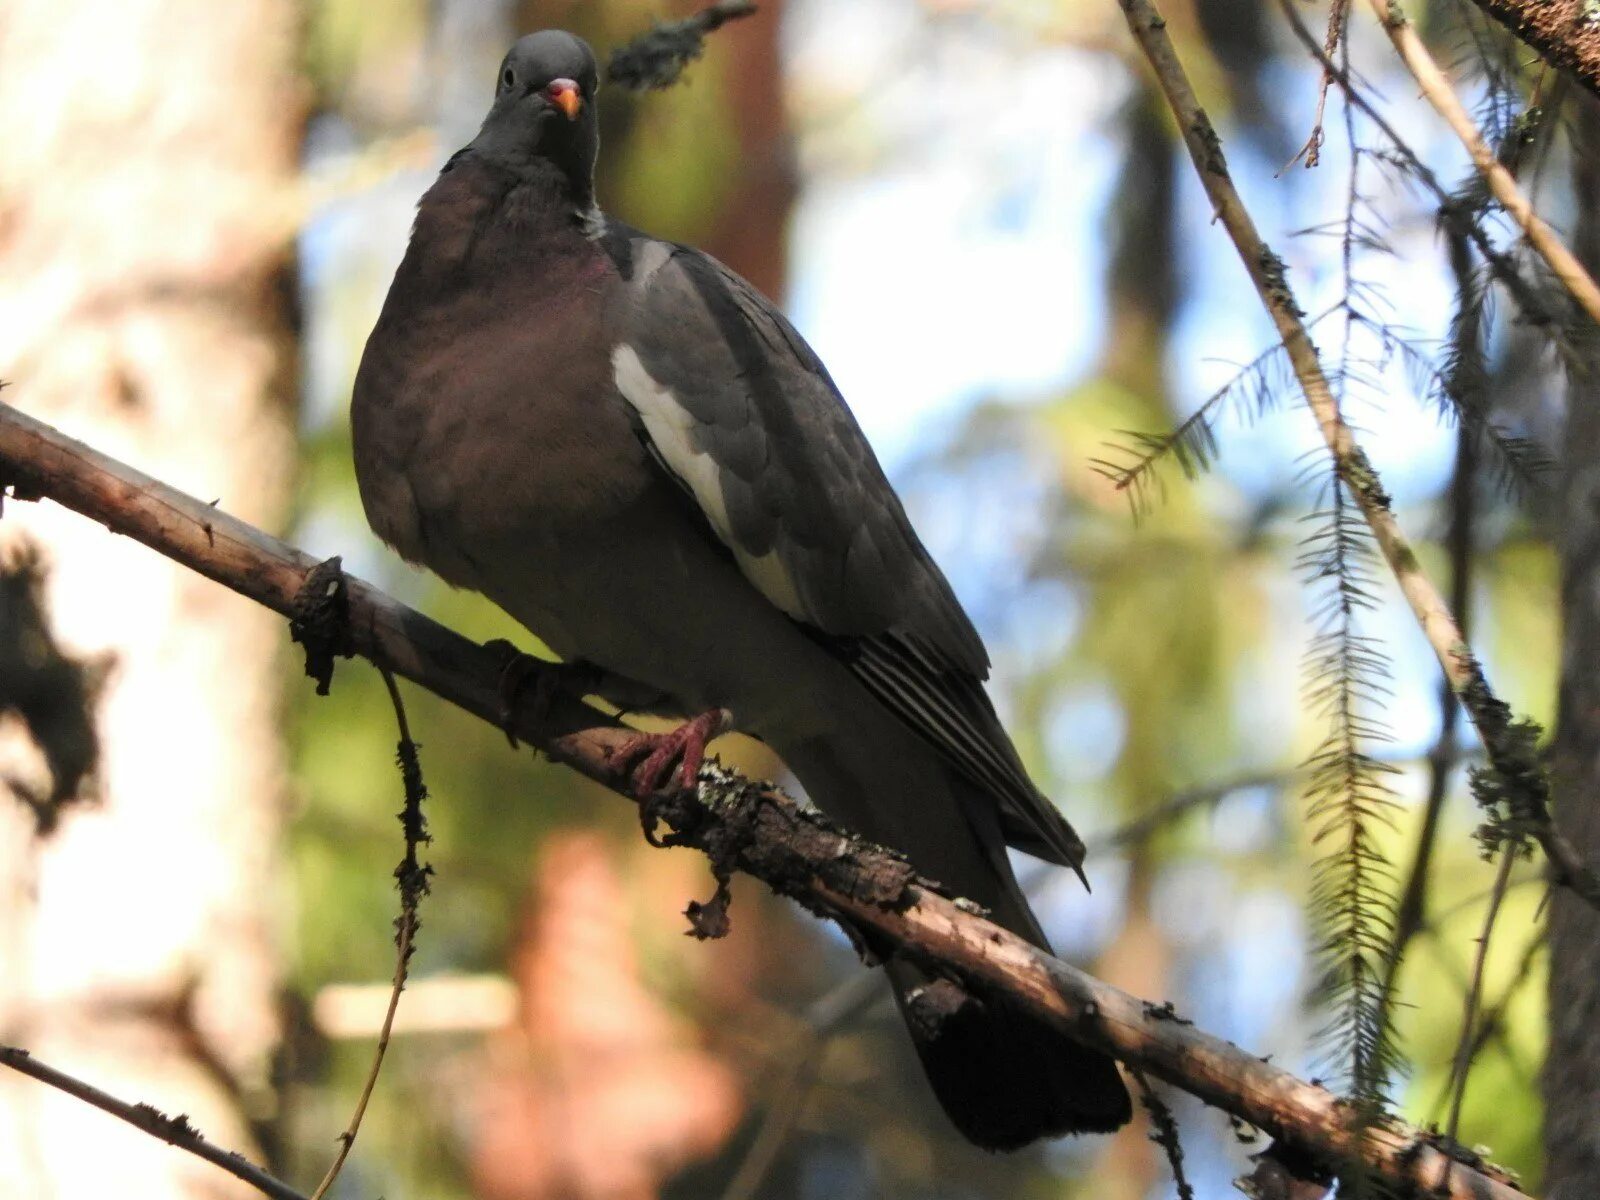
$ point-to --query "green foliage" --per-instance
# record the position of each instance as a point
(1136, 462)
(1349, 798)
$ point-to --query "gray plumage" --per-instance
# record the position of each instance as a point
(631, 451)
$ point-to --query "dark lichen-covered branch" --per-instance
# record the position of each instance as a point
(1565, 33)
(657, 57)
(749, 827)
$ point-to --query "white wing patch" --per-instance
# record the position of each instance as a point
(773, 580)
(651, 257)
(670, 428)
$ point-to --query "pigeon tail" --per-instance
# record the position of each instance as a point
(1004, 1077)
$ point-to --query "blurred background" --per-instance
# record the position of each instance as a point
(978, 214)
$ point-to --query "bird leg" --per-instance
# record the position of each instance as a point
(550, 679)
(684, 747)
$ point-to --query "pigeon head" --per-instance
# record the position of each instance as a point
(544, 110)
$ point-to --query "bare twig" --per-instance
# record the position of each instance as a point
(1411, 914)
(412, 878)
(1469, 1018)
(1451, 211)
(1338, 17)
(824, 1017)
(1142, 827)
(753, 828)
(175, 1130)
(1508, 753)
(783, 1113)
(1492, 1024)
(1414, 53)
(1450, 912)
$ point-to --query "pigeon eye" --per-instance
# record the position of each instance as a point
(509, 78)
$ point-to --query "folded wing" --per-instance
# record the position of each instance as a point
(738, 409)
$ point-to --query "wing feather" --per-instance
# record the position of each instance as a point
(734, 404)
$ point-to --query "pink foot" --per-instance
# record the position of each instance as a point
(684, 746)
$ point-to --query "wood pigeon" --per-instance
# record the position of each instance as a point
(622, 444)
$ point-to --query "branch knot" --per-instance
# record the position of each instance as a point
(321, 620)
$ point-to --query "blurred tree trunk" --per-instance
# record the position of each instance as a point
(599, 1091)
(751, 233)
(1572, 1070)
(145, 305)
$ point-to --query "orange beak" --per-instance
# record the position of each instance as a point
(564, 95)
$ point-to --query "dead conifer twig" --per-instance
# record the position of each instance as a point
(176, 1131)
(1564, 265)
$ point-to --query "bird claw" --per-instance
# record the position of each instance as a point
(549, 680)
(683, 748)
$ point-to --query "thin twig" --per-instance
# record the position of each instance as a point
(175, 1130)
(1460, 1066)
(749, 827)
(783, 1114)
(1500, 265)
(1507, 751)
(1494, 1016)
(1338, 16)
(413, 882)
(1411, 914)
(1449, 913)
(1562, 262)
(1145, 825)
(824, 1018)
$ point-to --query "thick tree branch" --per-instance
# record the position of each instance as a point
(1565, 33)
(750, 827)
(1507, 742)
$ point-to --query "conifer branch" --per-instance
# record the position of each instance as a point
(1414, 53)
(1456, 218)
(1510, 744)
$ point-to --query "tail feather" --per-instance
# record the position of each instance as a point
(1004, 1077)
